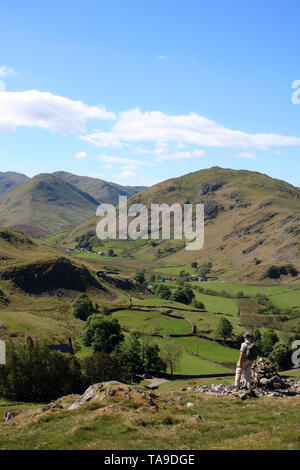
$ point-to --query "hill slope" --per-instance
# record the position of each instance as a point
(102, 191)
(248, 217)
(10, 180)
(45, 204)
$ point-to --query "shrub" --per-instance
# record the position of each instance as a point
(198, 304)
(102, 333)
(82, 307)
(163, 292)
(281, 357)
(139, 277)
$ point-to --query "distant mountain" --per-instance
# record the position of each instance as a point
(252, 221)
(100, 190)
(10, 180)
(45, 204)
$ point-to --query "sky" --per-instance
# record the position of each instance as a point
(140, 91)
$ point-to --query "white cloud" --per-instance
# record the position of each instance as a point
(81, 155)
(161, 57)
(126, 163)
(198, 153)
(4, 71)
(132, 178)
(42, 109)
(248, 155)
(160, 128)
(179, 155)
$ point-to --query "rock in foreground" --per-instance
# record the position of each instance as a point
(140, 396)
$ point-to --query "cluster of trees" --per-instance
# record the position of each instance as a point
(279, 353)
(35, 373)
(184, 294)
(275, 272)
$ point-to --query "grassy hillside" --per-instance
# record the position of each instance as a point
(38, 284)
(102, 191)
(129, 422)
(251, 222)
(10, 180)
(45, 204)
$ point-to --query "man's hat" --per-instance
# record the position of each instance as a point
(246, 334)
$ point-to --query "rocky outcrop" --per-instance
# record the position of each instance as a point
(106, 391)
(43, 276)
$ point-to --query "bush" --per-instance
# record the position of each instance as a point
(163, 292)
(139, 277)
(102, 333)
(198, 304)
(82, 307)
(184, 296)
(281, 357)
(269, 339)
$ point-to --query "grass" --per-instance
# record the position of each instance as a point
(54, 239)
(189, 364)
(225, 423)
(217, 304)
(151, 322)
(210, 350)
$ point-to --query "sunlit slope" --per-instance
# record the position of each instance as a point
(251, 222)
(45, 204)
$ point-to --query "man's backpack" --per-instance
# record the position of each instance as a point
(252, 352)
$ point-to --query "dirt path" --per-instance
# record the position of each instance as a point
(155, 382)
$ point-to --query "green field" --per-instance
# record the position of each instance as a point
(210, 350)
(217, 304)
(54, 239)
(151, 322)
(191, 365)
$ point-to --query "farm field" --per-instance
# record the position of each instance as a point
(190, 364)
(211, 350)
(152, 322)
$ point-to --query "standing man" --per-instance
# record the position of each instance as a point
(244, 364)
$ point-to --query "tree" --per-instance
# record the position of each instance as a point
(139, 277)
(102, 333)
(172, 354)
(183, 295)
(204, 269)
(194, 265)
(131, 348)
(224, 329)
(34, 373)
(99, 367)
(163, 292)
(150, 356)
(82, 307)
(281, 356)
(269, 339)
(273, 272)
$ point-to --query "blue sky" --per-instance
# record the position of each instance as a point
(138, 91)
